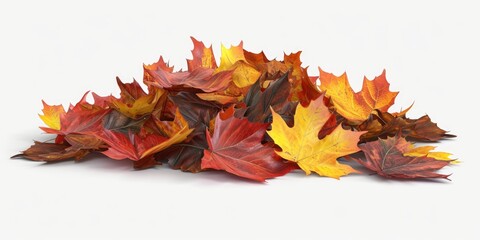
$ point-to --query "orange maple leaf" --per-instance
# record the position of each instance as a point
(357, 107)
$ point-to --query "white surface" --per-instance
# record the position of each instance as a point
(58, 50)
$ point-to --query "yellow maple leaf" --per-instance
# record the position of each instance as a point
(357, 107)
(230, 56)
(51, 115)
(300, 143)
(233, 58)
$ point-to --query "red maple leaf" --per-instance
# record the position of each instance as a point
(236, 147)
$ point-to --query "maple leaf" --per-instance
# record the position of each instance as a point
(357, 107)
(300, 143)
(200, 78)
(130, 145)
(256, 59)
(51, 152)
(424, 129)
(271, 69)
(383, 124)
(134, 102)
(78, 119)
(233, 59)
(230, 56)
(159, 65)
(76, 146)
(51, 115)
(202, 57)
(82, 118)
(71, 127)
(235, 147)
(130, 92)
(387, 158)
(202, 72)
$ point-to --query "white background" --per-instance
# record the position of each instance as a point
(56, 51)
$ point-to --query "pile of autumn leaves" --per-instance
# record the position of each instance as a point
(250, 116)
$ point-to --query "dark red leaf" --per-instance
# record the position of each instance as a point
(385, 157)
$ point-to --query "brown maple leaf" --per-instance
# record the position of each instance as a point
(72, 146)
(387, 158)
(383, 124)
